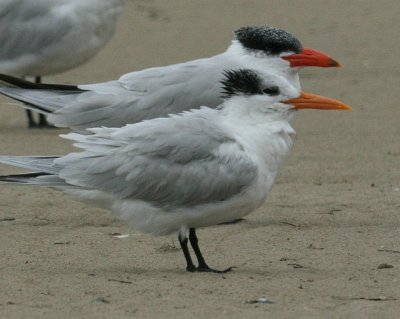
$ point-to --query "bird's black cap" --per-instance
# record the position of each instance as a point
(272, 41)
(245, 82)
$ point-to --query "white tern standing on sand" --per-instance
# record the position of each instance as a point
(160, 91)
(195, 169)
(42, 37)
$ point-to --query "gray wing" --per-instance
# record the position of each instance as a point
(147, 94)
(181, 161)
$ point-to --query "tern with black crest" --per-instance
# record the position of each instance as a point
(186, 171)
(160, 91)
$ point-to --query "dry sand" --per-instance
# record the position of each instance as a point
(314, 249)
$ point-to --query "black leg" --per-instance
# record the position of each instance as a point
(31, 120)
(42, 119)
(195, 245)
(43, 122)
(203, 267)
(184, 244)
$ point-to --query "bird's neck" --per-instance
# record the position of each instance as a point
(266, 136)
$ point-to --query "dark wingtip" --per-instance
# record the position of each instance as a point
(21, 178)
(24, 84)
(16, 82)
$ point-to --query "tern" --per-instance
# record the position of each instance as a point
(159, 91)
(195, 169)
(44, 37)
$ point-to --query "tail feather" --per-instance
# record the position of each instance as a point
(44, 164)
(34, 178)
(45, 170)
(21, 178)
(39, 97)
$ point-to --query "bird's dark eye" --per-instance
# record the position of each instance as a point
(272, 90)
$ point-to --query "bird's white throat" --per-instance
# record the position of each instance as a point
(267, 135)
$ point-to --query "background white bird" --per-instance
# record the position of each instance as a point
(43, 37)
(160, 91)
(191, 170)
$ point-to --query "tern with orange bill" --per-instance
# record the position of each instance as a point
(186, 171)
(172, 89)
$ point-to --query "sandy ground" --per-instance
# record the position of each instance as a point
(325, 244)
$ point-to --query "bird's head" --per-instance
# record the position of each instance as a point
(281, 46)
(271, 94)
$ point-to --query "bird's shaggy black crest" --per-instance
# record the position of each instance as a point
(269, 40)
(240, 82)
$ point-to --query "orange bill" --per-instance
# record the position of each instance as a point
(311, 57)
(313, 101)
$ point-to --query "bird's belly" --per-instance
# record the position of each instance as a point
(150, 219)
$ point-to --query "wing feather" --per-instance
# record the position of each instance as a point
(177, 163)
